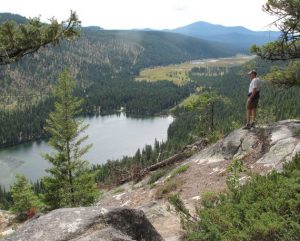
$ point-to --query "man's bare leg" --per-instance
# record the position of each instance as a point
(248, 115)
(253, 115)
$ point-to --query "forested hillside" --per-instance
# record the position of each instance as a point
(99, 55)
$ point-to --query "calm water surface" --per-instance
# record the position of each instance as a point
(112, 136)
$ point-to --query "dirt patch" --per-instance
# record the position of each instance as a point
(203, 177)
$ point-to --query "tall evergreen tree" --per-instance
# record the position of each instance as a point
(70, 182)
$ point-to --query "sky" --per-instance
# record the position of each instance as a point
(155, 14)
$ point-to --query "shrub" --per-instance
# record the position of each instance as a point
(157, 175)
(25, 202)
(266, 208)
(210, 199)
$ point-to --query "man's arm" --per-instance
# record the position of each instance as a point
(254, 91)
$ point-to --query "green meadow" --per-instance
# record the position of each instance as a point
(179, 73)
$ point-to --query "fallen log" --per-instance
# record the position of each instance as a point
(169, 161)
(185, 153)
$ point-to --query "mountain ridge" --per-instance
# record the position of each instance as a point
(200, 29)
(236, 35)
(213, 27)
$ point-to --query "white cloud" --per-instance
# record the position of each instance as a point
(158, 14)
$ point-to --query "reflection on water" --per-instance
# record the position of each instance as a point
(112, 136)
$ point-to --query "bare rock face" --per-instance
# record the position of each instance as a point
(5, 222)
(88, 224)
(284, 143)
(234, 145)
(267, 146)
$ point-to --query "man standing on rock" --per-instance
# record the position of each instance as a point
(252, 100)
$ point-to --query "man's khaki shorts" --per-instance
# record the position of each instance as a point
(253, 103)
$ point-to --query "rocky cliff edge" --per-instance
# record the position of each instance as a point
(262, 149)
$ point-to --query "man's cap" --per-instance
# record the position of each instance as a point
(253, 71)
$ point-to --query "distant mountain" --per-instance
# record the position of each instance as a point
(15, 17)
(144, 29)
(237, 36)
(94, 28)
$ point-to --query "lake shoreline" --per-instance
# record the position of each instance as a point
(45, 137)
(113, 137)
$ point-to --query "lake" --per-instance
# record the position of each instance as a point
(112, 136)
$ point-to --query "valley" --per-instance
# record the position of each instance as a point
(165, 111)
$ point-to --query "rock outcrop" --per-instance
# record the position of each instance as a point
(5, 222)
(88, 224)
(266, 146)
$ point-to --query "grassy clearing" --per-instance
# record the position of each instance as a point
(176, 73)
(179, 73)
(178, 170)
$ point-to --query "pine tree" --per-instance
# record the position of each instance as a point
(287, 47)
(204, 103)
(71, 182)
(5, 198)
(23, 196)
(19, 40)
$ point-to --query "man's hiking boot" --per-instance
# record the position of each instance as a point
(252, 125)
(247, 127)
